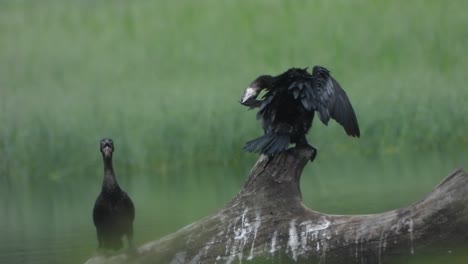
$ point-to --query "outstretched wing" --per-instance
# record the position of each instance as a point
(332, 101)
(321, 92)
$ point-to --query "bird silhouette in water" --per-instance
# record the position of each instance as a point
(113, 212)
(287, 109)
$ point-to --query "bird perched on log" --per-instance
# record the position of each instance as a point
(288, 106)
(113, 212)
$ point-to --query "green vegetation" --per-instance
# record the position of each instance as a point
(163, 79)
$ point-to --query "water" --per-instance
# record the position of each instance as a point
(50, 221)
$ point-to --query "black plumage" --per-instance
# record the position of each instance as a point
(288, 106)
(113, 212)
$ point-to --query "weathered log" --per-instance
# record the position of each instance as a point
(267, 220)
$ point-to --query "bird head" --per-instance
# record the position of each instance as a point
(250, 94)
(107, 147)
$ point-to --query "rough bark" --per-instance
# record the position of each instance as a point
(268, 221)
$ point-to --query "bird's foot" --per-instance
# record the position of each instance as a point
(102, 252)
(131, 250)
(303, 143)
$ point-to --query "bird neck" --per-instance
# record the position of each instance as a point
(110, 182)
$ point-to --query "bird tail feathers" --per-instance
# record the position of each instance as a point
(268, 144)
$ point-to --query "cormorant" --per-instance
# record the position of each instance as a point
(113, 211)
(288, 106)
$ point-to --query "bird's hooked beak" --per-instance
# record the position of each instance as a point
(107, 150)
(249, 96)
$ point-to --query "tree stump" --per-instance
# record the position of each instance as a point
(268, 221)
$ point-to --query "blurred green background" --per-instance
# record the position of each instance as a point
(163, 79)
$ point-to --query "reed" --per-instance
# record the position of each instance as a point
(164, 78)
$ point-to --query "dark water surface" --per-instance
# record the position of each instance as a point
(50, 221)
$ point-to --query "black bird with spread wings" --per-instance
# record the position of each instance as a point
(288, 106)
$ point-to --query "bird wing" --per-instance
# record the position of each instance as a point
(321, 92)
(127, 207)
(100, 212)
(267, 109)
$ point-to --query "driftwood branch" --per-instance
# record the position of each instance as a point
(268, 221)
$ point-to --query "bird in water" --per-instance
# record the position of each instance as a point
(113, 212)
(288, 106)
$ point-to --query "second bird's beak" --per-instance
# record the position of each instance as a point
(107, 151)
(249, 95)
